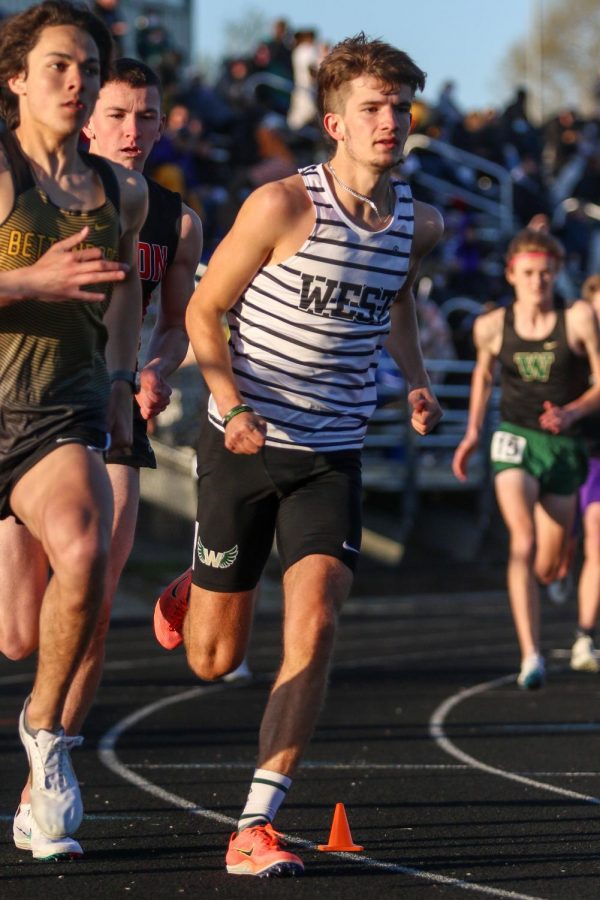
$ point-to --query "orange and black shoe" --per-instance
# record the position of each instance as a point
(170, 611)
(259, 850)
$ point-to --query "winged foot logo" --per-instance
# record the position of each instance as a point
(218, 559)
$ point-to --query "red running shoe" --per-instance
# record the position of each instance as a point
(170, 611)
(259, 850)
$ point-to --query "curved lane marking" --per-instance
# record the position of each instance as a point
(436, 730)
(108, 756)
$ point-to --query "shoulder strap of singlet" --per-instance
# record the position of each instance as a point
(164, 213)
(21, 172)
(23, 177)
(162, 193)
(107, 176)
(312, 182)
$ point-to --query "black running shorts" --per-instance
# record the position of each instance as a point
(311, 501)
(27, 436)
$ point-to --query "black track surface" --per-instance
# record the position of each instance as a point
(433, 824)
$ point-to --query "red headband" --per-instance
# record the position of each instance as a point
(531, 253)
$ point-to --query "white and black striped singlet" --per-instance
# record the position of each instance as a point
(307, 333)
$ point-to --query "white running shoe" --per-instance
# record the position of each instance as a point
(241, 674)
(55, 797)
(533, 672)
(584, 656)
(27, 836)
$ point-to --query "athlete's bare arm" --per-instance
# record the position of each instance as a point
(403, 343)
(487, 336)
(123, 318)
(169, 341)
(582, 335)
(260, 234)
(62, 272)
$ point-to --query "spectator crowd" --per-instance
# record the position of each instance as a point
(257, 121)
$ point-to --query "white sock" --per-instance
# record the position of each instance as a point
(266, 794)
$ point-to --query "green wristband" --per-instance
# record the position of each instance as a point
(242, 408)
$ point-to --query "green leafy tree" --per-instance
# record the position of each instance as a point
(558, 60)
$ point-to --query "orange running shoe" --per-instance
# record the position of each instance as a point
(259, 850)
(170, 611)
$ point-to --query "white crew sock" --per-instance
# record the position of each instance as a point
(266, 794)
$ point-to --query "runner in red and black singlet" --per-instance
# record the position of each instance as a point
(157, 251)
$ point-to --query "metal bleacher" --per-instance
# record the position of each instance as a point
(398, 461)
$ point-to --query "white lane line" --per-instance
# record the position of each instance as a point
(106, 752)
(305, 764)
(352, 767)
(436, 730)
(100, 817)
(110, 759)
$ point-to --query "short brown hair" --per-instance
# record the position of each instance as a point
(531, 241)
(20, 33)
(590, 287)
(134, 73)
(356, 56)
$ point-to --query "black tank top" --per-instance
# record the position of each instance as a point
(159, 237)
(533, 371)
(590, 428)
(52, 354)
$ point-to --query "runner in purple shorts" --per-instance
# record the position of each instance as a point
(584, 656)
(590, 491)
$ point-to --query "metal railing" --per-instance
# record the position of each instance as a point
(501, 209)
(398, 461)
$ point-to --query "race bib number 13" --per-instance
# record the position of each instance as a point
(507, 447)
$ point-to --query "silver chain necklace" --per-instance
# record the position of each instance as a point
(358, 195)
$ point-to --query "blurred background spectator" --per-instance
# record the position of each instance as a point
(490, 171)
(114, 19)
(305, 61)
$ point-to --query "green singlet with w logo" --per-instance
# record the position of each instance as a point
(534, 371)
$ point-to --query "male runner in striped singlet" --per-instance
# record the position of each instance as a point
(70, 313)
(124, 126)
(315, 277)
(538, 458)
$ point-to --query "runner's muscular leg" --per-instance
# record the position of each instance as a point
(216, 631)
(554, 518)
(23, 580)
(517, 493)
(66, 503)
(125, 482)
(589, 579)
(314, 590)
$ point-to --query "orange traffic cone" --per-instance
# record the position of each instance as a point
(339, 836)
